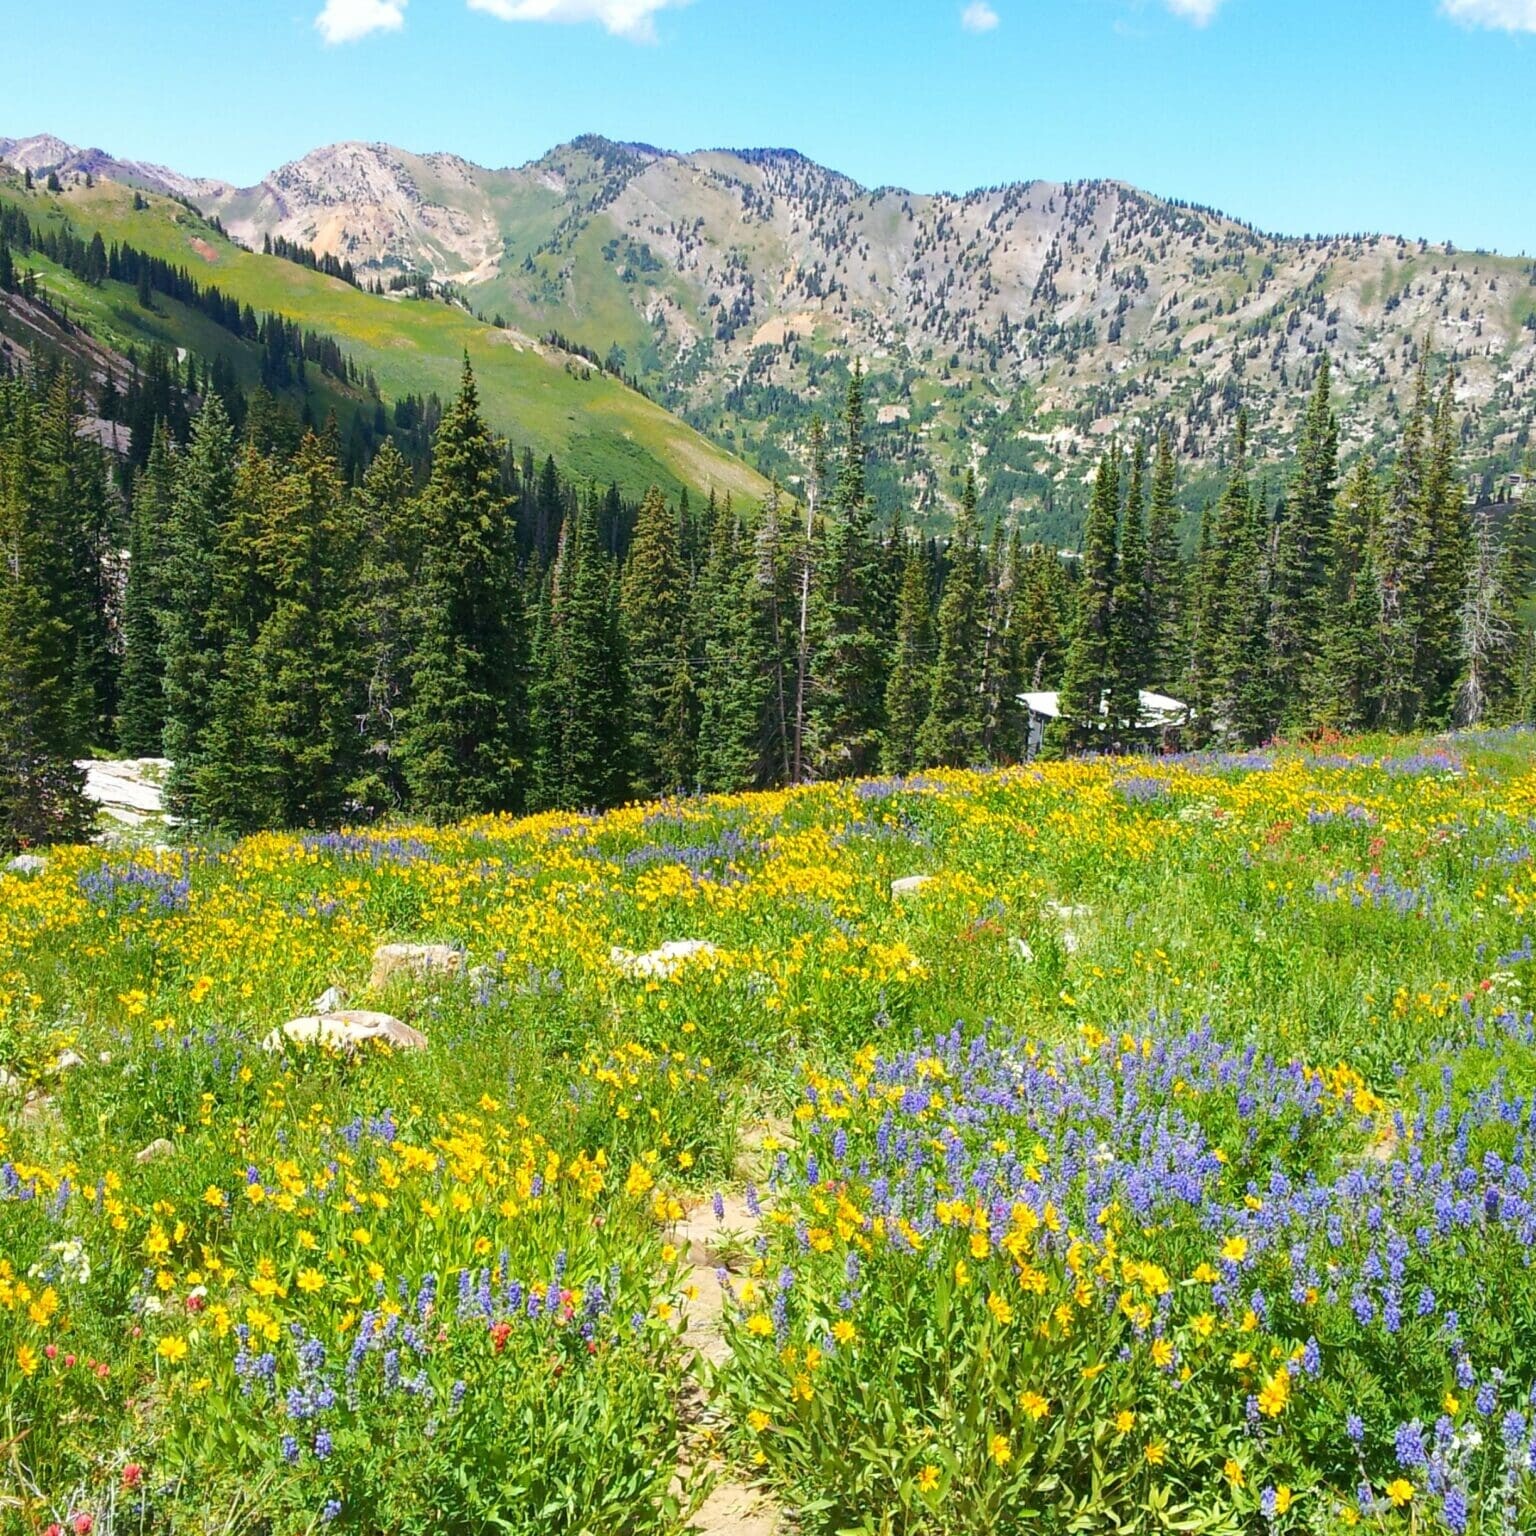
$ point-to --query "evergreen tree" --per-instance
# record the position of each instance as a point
(773, 556)
(462, 745)
(1004, 679)
(909, 691)
(848, 669)
(388, 534)
(1449, 557)
(951, 734)
(1402, 559)
(306, 657)
(738, 667)
(1088, 671)
(141, 699)
(1239, 693)
(658, 651)
(41, 798)
(1299, 566)
(1046, 610)
(1343, 692)
(1132, 638)
(203, 493)
(1160, 585)
(589, 674)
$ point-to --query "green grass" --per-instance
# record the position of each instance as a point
(533, 396)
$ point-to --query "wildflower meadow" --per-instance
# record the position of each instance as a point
(1101, 1146)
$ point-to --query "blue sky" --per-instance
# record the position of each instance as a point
(1407, 116)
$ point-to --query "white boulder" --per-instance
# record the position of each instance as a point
(416, 961)
(657, 964)
(346, 1030)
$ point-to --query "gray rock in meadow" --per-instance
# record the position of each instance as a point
(658, 963)
(39, 1107)
(157, 1149)
(415, 961)
(27, 864)
(346, 1031)
(68, 1062)
(11, 1086)
(329, 1001)
(909, 885)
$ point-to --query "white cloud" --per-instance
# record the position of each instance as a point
(624, 18)
(978, 16)
(344, 21)
(1503, 15)
(1200, 12)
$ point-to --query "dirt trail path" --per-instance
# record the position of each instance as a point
(709, 1243)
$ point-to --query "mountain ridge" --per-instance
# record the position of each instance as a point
(1011, 329)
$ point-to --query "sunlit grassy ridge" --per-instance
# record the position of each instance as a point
(596, 428)
(1163, 1158)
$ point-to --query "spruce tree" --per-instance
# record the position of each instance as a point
(462, 741)
(848, 668)
(1132, 640)
(203, 493)
(41, 790)
(1449, 558)
(1160, 585)
(1240, 695)
(1343, 692)
(1402, 559)
(141, 699)
(1088, 671)
(909, 691)
(658, 646)
(306, 657)
(1004, 679)
(733, 749)
(1298, 570)
(589, 674)
(389, 542)
(951, 734)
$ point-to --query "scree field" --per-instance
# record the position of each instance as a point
(1162, 1160)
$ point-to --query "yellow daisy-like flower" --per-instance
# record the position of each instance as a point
(1162, 1353)
(844, 1331)
(999, 1450)
(311, 1280)
(927, 1478)
(1284, 1498)
(1233, 1473)
(1400, 1491)
(758, 1421)
(1125, 1422)
(1156, 1454)
(1034, 1406)
(26, 1359)
(759, 1325)
(1235, 1250)
(172, 1348)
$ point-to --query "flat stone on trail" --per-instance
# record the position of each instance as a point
(658, 963)
(908, 885)
(734, 1509)
(346, 1031)
(415, 961)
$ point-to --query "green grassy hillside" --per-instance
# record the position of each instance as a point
(594, 426)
